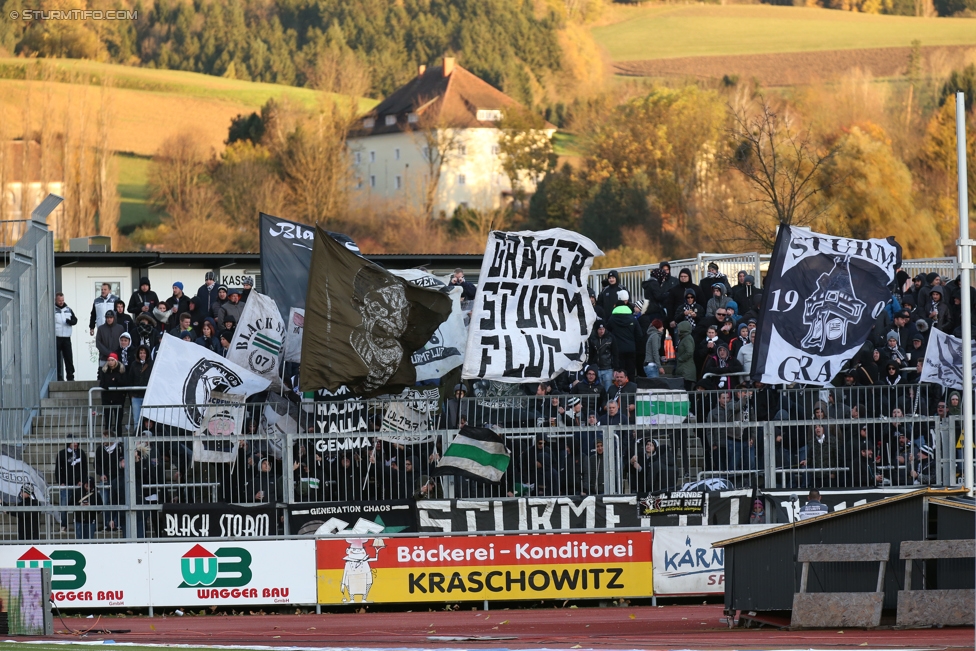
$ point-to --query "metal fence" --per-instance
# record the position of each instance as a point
(27, 351)
(109, 476)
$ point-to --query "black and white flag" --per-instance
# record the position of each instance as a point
(943, 360)
(445, 350)
(820, 301)
(258, 338)
(532, 315)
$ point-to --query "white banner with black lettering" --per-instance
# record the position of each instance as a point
(294, 330)
(943, 360)
(685, 562)
(531, 315)
(188, 375)
(445, 350)
(414, 410)
(820, 301)
(258, 338)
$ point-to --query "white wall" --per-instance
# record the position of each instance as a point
(162, 279)
(80, 286)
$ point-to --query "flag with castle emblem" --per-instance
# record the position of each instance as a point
(820, 301)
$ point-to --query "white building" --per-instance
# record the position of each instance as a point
(457, 113)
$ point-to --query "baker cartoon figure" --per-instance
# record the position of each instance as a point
(357, 575)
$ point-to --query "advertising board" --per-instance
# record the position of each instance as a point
(493, 568)
(685, 562)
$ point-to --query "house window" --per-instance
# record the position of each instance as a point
(390, 120)
(462, 179)
(372, 181)
(372, 157)
(489, 115)
(462, 150)
(359, 184)
(495, 150)
(426, 153)
(412, 118)
(369, 123)
(396, 153)
(357, 157)
(398, 182)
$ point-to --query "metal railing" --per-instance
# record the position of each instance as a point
(342, 451)
(27, 350)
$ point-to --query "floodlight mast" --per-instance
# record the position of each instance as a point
(965, 255)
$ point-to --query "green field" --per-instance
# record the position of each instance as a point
(134, 210)
(637, 33)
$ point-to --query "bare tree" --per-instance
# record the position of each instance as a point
(784, 174)
(526, 149)
(440, 142)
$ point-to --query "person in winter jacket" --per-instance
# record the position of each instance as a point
(593, 471)
(590, 388)
(218, 303)
(247, 285)
(626, 332)
(179, 300)
(206, 297)
(166, 315)
(685, 355)
(143, 300)
(468, 289)
(105, 302)
(743, 292)
(712, 276)
(147, 333)
(677, 297)
(691, 311)
(122, 317)
(208, 339)
(719, 299)
(108, 471)
(936, 311)
(107, 338)
(653, 364)
(112, 375)
(64, 318)
(126, 352)
(70, 470)
(603, 353)
(233, 307)
(744, 354)
(184, 324)
(608, 297)
(719, 365)
(139, 374)
(649, 471)
(656, 290)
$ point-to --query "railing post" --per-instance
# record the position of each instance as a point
(610, 486)
(288, 476)
(769, 454)
(130, 487)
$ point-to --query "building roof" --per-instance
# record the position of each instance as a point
(439, 95)
(922, 492)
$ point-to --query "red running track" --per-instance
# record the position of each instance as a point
(670, 627)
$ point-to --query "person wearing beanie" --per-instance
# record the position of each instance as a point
(179, 300)
(248, 284)
(112, 375)
(107, 336)
(218, 302)
(143, 300)
(712, 276)
(742, 294)
(626, 333)
(205, 298)
(233, 307)
(225, 338)
(602, 353)
(122, 317)
(677, 296)
(608, 297)
(893, 351)
(656, 291)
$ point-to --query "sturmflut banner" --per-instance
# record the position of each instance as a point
(820, 301)
(445, 350)
(531, 315)
(185, 377)
(943, 360)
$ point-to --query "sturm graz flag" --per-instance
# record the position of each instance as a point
(820, 301)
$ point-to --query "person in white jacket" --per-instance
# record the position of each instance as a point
(745, 352)
(64, 318)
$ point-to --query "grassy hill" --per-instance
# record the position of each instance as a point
(639, 33)
(146, 106)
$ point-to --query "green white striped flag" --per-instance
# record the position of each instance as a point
(476, 453)
(661, 406)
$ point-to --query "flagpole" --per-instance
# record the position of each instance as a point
(965, 266)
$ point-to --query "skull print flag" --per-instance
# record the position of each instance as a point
(820, 301)
(362, 323)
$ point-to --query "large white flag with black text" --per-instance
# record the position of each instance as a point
(820, 301)
(445, 350)
(258, 338)
(184, 378)
(943, 360)
(532, 314)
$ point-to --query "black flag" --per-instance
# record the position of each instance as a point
(286, 254)
(362, 323)
(820, 301)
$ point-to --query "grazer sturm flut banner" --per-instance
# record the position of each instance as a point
(820, 301)
(943, 360)
(496, 568)
(445, 350)
(363, 323)
(218, 521)
(685, 561)
(528, 513)
(109, 575)
(532, 314)
(259, 338)
(233, 573)
(185, 377)
(286, 255)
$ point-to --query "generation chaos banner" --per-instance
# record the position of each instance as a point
(496, 568)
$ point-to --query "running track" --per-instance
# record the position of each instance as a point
(671, 627)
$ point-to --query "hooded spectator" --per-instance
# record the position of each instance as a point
(653, 363)
(712, 276)
(937, 311)
(139, 373)
(678, 295)
(656, 291)
(232, 308)
(218, 303)
(107, 337)
(125, 351)
(685, 355)
(690, 311)
(122, 317)
(206, 297)
(718, 298)
(147, 333)
(143, 300)
(743, 292)
(608, 297)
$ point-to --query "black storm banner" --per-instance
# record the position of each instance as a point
(286, 255)
(218, 521)
(820, 301)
